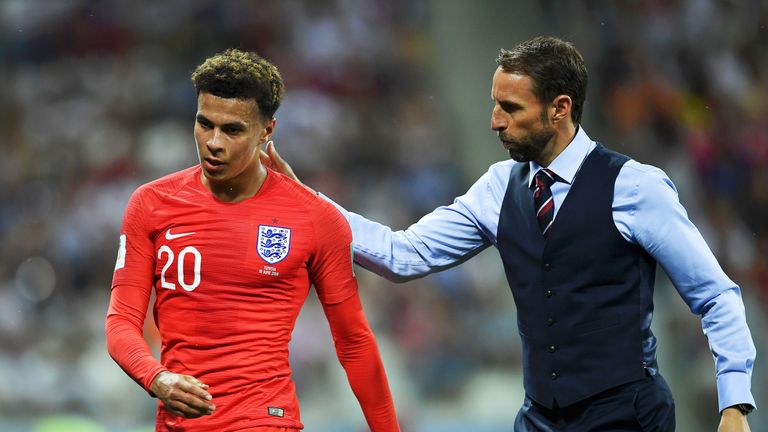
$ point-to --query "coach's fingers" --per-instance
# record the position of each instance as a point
(273, 154)
(278, 163)
(265, 160)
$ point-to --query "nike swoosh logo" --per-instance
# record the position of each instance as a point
(169, 236)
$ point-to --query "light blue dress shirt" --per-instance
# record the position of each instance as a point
(646, 211)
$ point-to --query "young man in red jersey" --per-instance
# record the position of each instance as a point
(231, 249)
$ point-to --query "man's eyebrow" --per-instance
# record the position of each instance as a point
(232, 125)
(235, 125)
(507, 104)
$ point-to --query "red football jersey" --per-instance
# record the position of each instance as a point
(229, 279)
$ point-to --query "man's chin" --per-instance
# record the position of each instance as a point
(518, 157)
(213, 175)
(515, 152)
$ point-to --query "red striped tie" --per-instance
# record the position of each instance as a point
(542, 200)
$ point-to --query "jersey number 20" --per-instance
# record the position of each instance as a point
(180, 267)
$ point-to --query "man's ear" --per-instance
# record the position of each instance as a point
(562, 106)
(269, 128)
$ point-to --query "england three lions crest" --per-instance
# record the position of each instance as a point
(273, 243)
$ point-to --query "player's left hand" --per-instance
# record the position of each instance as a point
(183, 395)
(732, 420)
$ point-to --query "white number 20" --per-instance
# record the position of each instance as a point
(180, 267)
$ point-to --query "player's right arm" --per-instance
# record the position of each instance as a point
(131, 288)
(331, 272)
(442, 239)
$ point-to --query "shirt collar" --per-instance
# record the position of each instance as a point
(567, 163)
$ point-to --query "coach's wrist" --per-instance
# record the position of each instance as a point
(740, 409)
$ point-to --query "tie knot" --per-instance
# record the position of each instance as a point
(544, 178)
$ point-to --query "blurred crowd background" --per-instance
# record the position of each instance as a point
(387, 111)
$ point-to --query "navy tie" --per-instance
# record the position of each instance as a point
(542, 200)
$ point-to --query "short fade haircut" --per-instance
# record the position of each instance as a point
(554, 66)
(235, 74)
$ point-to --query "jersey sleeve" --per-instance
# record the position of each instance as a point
(131, 288)
(330, 267)
(358, 353)
(331, 272)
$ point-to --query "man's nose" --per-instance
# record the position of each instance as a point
(497, 121)
(214, 140)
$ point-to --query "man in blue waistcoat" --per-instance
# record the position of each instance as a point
(580, 229)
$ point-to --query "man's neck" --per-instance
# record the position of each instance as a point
(563, 137)
(239, 188)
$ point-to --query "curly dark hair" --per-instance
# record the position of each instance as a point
(554, 66)
(241, 75)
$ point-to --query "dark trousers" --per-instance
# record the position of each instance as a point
(644, 406)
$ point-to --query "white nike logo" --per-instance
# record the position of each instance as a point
(169, 236)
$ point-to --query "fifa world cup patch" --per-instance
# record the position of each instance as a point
(273, 243)
(275, 411)
(120, 263)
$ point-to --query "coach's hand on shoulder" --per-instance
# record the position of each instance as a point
(271, 159)
(183, 395)
(732, 420)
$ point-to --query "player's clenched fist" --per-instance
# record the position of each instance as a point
(183, 395)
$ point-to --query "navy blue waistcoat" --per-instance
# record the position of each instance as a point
(581, 294)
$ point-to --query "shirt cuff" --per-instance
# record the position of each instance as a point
(734, 388)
